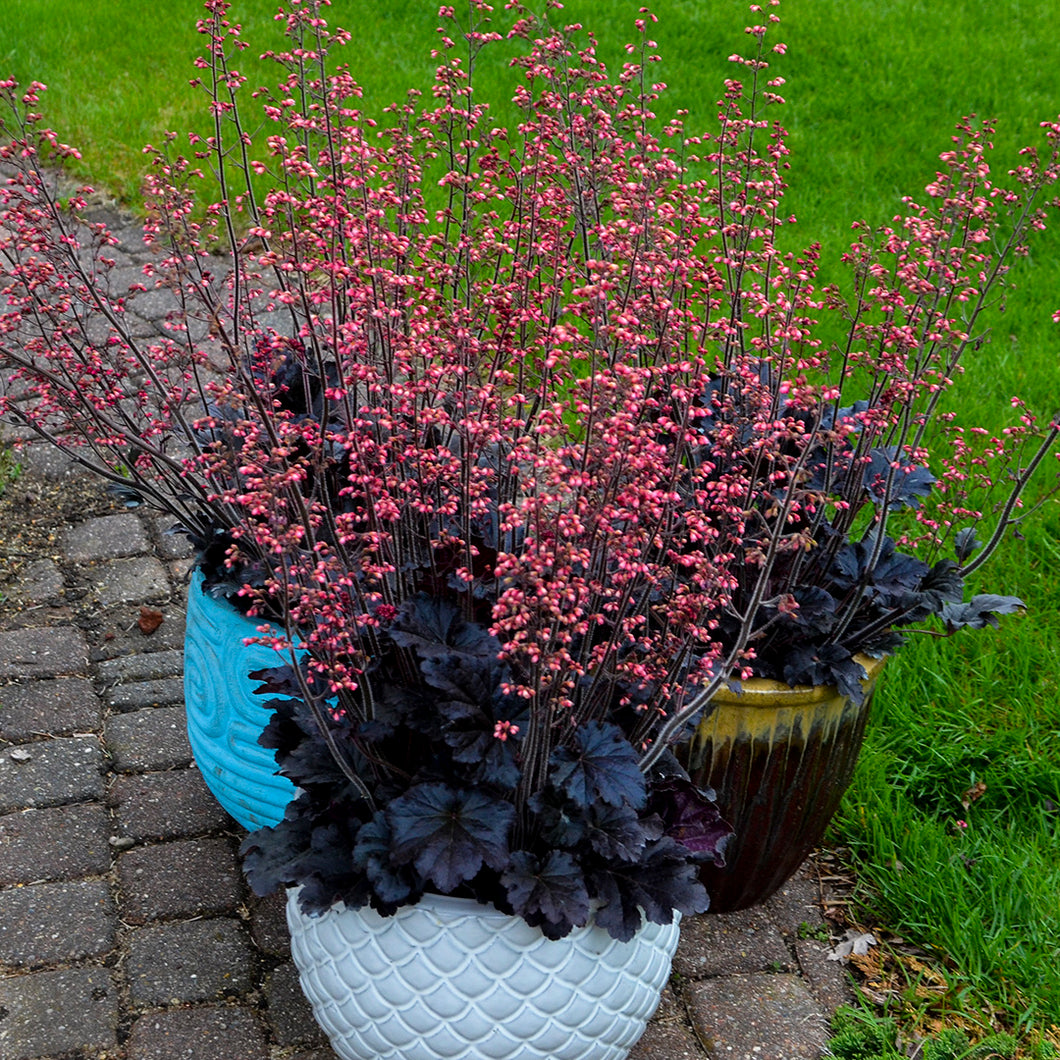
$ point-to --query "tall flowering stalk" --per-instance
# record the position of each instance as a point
(526, 438)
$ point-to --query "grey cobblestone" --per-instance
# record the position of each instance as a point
(51, 772)
(171, 546)
(268, 924)
(121, 635)
(138, 580)
(46, 652)
(667, 1041)
(56, 1012)
(41, 583)
(148, 679)
(55, 707)
(171, 805)
(54, 844)
(751, 1017)
(153, 305)
(290, 1016)
(164, 692)
(142, 667)
(140, 327)
(195, 960)
(50, 922)
(829, 981)
(126, 230)
(212, 1032)
(48, 462)
(123, 276)
(180, 571)
(184, 878)
(730, 944)
(105, 537)
(147, 740)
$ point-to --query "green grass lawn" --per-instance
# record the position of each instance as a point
(874, 89)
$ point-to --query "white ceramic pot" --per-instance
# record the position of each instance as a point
(449, 979)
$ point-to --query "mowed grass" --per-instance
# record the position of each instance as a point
(968, 730)
(874, 88)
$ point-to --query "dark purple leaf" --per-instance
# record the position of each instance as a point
(602, 765)
(816, 610)
(277, 681)
(303, 849)
(463, 678)
(890, 583)
(392, 885)
(663, 881)
(908, 482)
(980, 611)
(828, 664)
(691, 816)
(433, 626)
(494, 760)
(562, 824)
(884, 644)
(943, 583)
(552, 896)
(619, 910)
(311, 762)
(301, 752)
(449, 834)
(126, 495)
(965, 543)
(272, 855)
(618, 833)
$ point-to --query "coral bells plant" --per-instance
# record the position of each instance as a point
(527, 440)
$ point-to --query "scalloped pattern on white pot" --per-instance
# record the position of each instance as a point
(225, 716)
(450, 979)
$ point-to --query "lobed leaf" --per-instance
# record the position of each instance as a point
(691, 816)
(392, 886)
(908, 484)
(980, 611)
(602, 764)
(551, 896)
(449, 834)
(433, 626)
(661, 882)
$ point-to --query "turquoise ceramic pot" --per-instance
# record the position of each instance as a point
(225, 716)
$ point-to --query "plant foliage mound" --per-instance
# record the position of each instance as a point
(604, 837)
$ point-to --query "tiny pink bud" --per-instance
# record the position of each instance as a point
(503, 729)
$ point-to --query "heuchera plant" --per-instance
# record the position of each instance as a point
(527, 440)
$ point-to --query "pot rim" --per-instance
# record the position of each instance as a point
(764, 692)
(448, 905)
(453, 907)
(254, 623)
(195, 580)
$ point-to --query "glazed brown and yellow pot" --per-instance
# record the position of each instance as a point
(779, 759)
